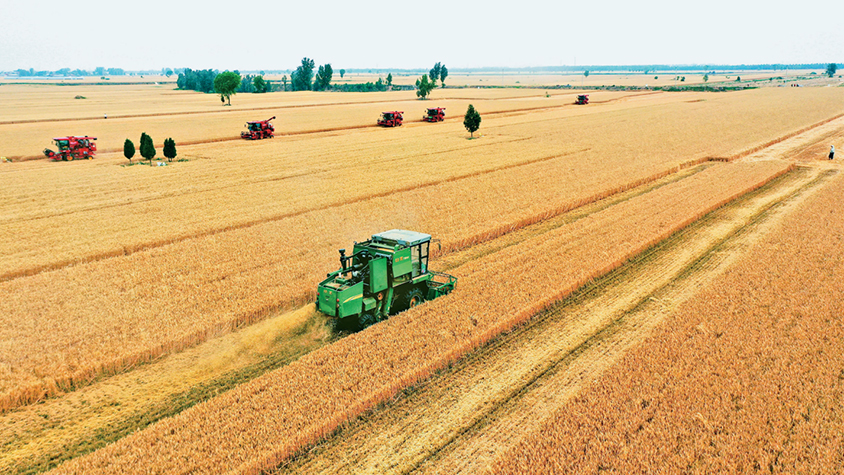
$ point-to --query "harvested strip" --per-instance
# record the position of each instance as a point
(745, 377)
(259, 424)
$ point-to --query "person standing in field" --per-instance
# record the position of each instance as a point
(831, 151)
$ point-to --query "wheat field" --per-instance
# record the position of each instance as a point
(106, 267)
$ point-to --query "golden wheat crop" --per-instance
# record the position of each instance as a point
(745, 377)
(216, 232)
(260, 423)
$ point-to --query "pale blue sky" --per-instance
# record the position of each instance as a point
(263, 34)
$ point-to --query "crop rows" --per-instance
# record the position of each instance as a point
(260, 423)
(746, 377)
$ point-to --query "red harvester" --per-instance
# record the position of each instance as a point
(582, 99)
(72, 147)
(435, 114)
(261, 129)
(390, 119)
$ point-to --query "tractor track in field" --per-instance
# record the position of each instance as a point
(462, 418)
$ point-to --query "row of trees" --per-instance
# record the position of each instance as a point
(147, 148)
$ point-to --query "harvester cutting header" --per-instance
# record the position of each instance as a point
(259, 129)
(383, 276)
(72, 147)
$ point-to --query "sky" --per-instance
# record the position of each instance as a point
(274, 35)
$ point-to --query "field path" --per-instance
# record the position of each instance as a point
(471, 411)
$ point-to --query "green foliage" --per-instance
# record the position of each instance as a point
(168, 72)
(434, 73)
(259, 84)
(424, 87)
(128, 150)
(342, 73)
(389, 79)
(472, 120)
(443, 74)
(586, 74)
(147, 147)
(831, 68)
(323, 78)
(705, 78)
(226, 83)
(284, 82)
(170, 149)
(366, 87)
(202, 81)
(301, 78)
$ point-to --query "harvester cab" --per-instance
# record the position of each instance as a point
(435, 114)
(71, 147)
(383, 276)
(582, 99)
(260, 129)
(391, 118)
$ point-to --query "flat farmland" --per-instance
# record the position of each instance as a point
(108, 269)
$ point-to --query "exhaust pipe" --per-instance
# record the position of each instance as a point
(343, 259)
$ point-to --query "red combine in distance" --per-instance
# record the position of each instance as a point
(257, 130)
(71, 148)
(582, 99)
(390, 119)
(434, 114)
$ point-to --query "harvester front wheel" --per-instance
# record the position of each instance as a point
(414, 298)
(365, 319)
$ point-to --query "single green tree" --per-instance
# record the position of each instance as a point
(390, 79)
(147, 147)
(705, 78)
(284, 83)
(169, 149)
(323, 78)
(128, 150)
(472, 120)
(443, 74)
(424, 87)
(300, 79)
(260, 84)
(342, 73)
(831, 68)
(586, 74)
(434, 73)
(168, 73)
(226, 83)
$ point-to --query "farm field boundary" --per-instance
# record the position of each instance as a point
(511, 385)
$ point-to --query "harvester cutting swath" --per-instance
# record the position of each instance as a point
(434, 114)
(72, 147)
(259, 129)
(391, 119)
(384, 275)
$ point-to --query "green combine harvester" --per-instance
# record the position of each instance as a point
(384, 275)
